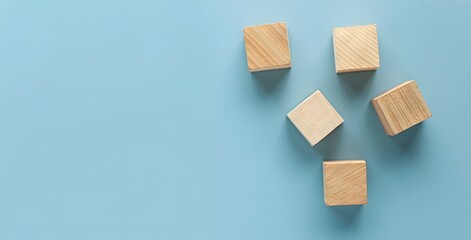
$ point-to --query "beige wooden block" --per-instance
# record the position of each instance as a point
(401, 108)
(356, 48)
(315, 118)
(267, 47)
(345, 182)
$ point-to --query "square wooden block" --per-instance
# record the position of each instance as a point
(356, 48)
(345, 183)
(315, 118)
(401, 108)
(267, 47)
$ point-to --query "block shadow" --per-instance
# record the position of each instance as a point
(344, 216)
(336, 145)
(300, 145)
(329, 145)
(327, 148)
(356, 82)
(408, 138)
(270, 80)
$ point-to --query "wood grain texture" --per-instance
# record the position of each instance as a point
(267, 47)
(401, 108)
(315, 118)
(345, 182)
(356, 48)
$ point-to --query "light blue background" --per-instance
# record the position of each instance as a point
(139, 120)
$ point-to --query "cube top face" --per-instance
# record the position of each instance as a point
(345, 183)
(356, 48)
(401, 108)
(315, 118)
(267, 47)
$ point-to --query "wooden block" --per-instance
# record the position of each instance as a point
(356, 48)
(267, 47)
(401, 108)
(315, 118)
(345, 183)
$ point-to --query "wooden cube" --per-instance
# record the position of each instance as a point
(345, 183)
(267, 47)
(356, 48)
(401, 108)
(315, 118)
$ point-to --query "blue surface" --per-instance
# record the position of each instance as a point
(139, 120)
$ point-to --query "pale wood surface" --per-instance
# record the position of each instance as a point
(356, 48)
(345, 182)
(267, 47)
(401, 108)
(315, 118)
